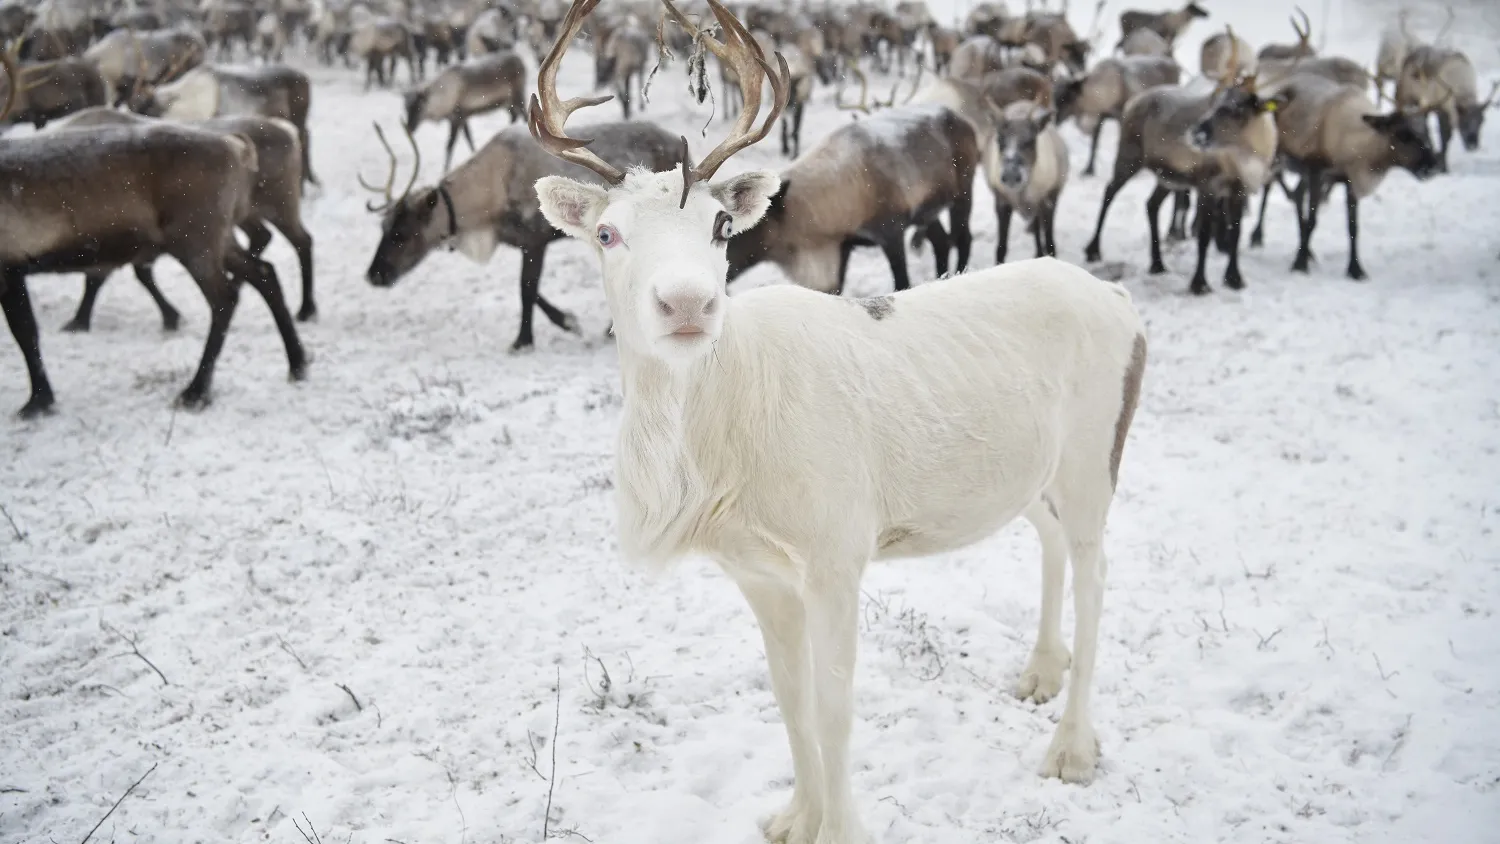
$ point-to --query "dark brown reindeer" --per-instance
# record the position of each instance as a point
(490, 199)
(275, 200)
(95, 200)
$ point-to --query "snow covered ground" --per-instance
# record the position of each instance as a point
(361, 591)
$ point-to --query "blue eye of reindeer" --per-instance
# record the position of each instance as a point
(608, 236)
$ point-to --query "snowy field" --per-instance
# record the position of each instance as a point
(361, 591)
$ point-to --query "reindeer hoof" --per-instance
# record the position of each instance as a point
(191, 399)
(1356, 272)
(76, 326)
(1157, 268)
(1200, 287)
(1234, 282)
(39, 404)
(169, 321)
(308, 313)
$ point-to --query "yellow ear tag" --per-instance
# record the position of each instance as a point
(1270, 105)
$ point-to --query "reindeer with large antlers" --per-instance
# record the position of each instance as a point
(795, 436)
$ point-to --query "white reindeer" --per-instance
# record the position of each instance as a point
(794, 436)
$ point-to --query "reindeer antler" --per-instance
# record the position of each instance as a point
(390, 179)
(864, 92)
(549, 114)
(1304, 29)
(743, 54)
(13, 75)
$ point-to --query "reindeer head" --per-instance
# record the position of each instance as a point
(1471, 119)
(661, 237)
(1195, 11)
(1406, 134)
(413, 224)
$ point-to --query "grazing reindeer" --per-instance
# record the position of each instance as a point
(1168, 25)
(227, 21)
(477, 86)
(205, 92)
(93, 201)
(1332, 133)
(270, 38)
(1155, 134)
(490, 199)
(1103, 93)
(859, 450)
(1026, 165)
(1437, 80)
(944, 43)
(275, 200)
(976, 56)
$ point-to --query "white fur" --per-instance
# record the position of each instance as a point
(193, 97)
(802, 437)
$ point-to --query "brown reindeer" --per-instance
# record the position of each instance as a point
(87, 201)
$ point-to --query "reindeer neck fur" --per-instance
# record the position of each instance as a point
(193, 97)
(674, 452)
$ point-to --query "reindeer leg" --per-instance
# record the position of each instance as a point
(223, 295)
(938, 237)
(169, 316)
(1002, 228)
(453, 130)
(958, 224)
(1445, 135)
(262, 277)
(1088, 169)
(1153, 219)
(1311, 192)
(895, 254)
(302, 242)
(18, 313)
(845, 250)
(1351, 202)
(1234, 208)
(531, 276)
(1257, 235)
(1123, 173)
(1205, 231)
(469, 137)
(92, 283)
(259, 235)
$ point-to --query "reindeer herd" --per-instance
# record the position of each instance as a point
(990, 96)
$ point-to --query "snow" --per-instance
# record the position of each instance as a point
(1299, 641)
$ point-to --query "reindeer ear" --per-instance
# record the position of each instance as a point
(1041, 118)
(573, 207)
(746, 196)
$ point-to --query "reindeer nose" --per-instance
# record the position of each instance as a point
(685, 306)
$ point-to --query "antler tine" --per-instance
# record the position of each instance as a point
(390, 179)
(416, 162)
(13, 75)
(548, 114)
(1304, 30)
(1232, 71)
(1494, 89)
(743, 54)
(864, 92)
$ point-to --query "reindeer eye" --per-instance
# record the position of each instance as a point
(723, 227)
(608, 236)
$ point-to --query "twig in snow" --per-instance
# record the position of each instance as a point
(453, 793)
(314, 838)
(1263, 575)
(357, 706)
(1222, 620)
(897, 803)
(1401, 735)
(604, 685)
(20, 537)
(171, 426)
(281, 643)
(117, 804)
(1265, 641)
(1383, 676)
(63, 583)
(531, 740)
(1325, 643)
(137, 651)
(1135, 790)
(552, 781)
(10, 789)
